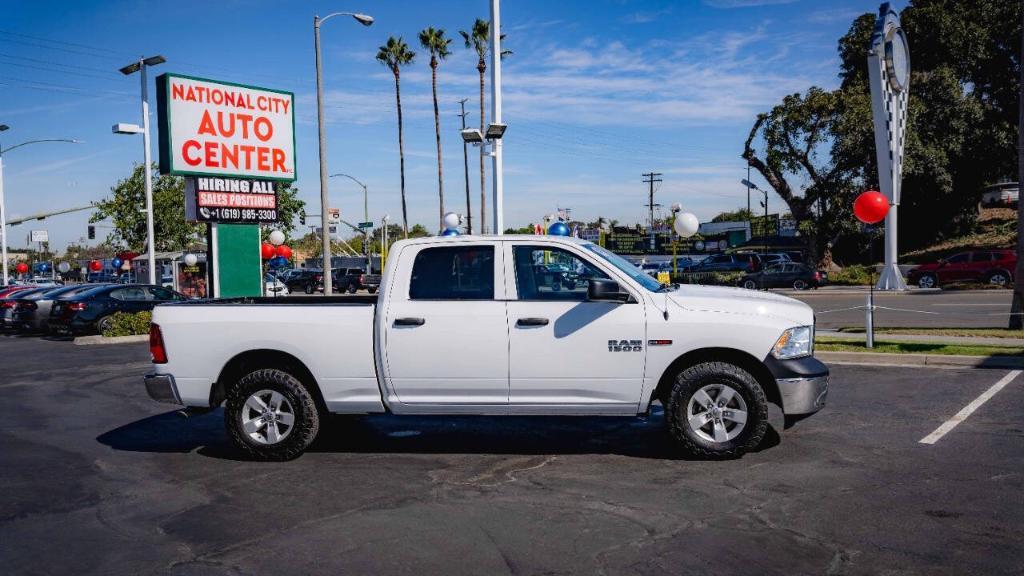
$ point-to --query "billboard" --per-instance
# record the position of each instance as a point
(236, 200)
(213, 128)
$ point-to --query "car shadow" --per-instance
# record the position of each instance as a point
(637, 437)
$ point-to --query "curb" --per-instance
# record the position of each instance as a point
(882, 359)
(98, 340)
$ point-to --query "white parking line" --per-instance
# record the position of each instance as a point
(969, 409)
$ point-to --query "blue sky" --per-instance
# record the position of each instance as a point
(596, 93)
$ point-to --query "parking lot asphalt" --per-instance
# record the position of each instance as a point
(914, 308)
(98, 479)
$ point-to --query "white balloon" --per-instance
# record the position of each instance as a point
(677, 207)
(64, 267)
(277, 237)
(686, 224)
(191, 259)
(451, 220)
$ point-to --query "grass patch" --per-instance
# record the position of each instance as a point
(961, 332)
(825, 344)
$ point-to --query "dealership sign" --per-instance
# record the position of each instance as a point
(210, 199)
(212, 128)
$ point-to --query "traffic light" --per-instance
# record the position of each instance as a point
(92, 232)
(302, 218)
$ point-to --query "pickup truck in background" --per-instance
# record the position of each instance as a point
(352, 280)
(476, 325)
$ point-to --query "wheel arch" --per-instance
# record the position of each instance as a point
(988, 273)
(250, 360)
(744, 360)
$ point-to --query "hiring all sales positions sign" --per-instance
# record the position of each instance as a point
(209, 199)
(213, 128)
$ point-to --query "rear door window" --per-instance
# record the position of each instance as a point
(453, 273)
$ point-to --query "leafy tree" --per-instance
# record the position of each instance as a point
(288, 208)
(395, 54)
(125, 207)
(434, 41)
(738, 215)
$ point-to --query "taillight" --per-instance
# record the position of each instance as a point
(156, 345)
(7, 304)
(817, 275)
(76, 306)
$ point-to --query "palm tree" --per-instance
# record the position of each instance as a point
(479, 40)
(434, 42)
(394, 55)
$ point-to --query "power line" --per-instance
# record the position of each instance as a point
(650, 178)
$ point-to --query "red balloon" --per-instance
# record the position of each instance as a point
(95, 265)
(267, 251)
(284, 252)
(21, 268)
(871, 207)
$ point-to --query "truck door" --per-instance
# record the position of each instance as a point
(445, 331)
(564, 350)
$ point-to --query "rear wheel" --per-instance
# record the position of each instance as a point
(309, 289)
(352, 289)
(716, 410)
(999, 278)
(271, 415)
(371, 290)
(927, 281)
(799, 284)
(750, 285)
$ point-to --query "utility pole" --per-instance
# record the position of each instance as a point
(496, 143)
(650, 178)
(749, 214)
(465, 162)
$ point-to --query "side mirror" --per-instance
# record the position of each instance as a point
(604, 290)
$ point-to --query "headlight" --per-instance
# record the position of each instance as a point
(794, 343)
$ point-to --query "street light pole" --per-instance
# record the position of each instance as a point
(498, 200)
(324, 223)
(366, 218)
(3, 206)
(140, 66)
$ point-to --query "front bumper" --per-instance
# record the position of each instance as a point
(161, 387)
(802, 382)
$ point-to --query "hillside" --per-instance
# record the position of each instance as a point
(997, 228)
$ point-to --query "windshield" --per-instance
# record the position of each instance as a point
(626, 267)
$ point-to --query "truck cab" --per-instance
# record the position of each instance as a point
(502, 325)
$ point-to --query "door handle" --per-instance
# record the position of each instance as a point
(410, 321)
(532, 322)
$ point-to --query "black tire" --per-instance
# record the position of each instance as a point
(309, 289)
(688, 382)
(371, 290)
(750, 285)
(104, 323)
(998, 278)
(306, 422)
(800, 284)
(352, 289)
(927, 281)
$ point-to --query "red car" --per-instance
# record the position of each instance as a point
(988, 266)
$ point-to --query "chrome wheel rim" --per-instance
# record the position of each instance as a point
(926, 282)
(267, 417)
(997, 279)
(717, 413)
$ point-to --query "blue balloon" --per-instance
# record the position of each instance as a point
(278, 261)
(44, 266)
(116, 263)
(558, 229)
(450, 232)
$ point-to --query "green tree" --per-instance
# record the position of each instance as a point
(125, 208)
(289, 206)
(738, 215)
(395, 54)
(434, 41)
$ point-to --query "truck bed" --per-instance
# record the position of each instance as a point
(303, 300)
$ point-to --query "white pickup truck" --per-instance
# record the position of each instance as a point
(501, 325)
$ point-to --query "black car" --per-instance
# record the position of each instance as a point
(31, 313)
(309, 280)
(785, 275)
(16, 301)
(89, 312)
(727, 263)
(352, 280)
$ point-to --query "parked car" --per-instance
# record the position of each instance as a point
(34, 314)
(308, 281)
(352, 280)
(11, 288)
(89, 312)
(273, 286)
(785, 275)
(727, 263)
(13, 301)
(653, 268)
(463, 325)
(989, 266)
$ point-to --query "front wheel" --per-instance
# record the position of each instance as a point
(352, 288)
(271, 415)
(309, 289)
(104, 324)
(927, 281)
(371, 290)
(716, 410)
(799, 284)
(750, 285)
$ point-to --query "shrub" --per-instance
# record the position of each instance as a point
(851, 276)
(126, 324)
(709, 278)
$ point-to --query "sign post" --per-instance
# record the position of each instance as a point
(233, 143)
(889, 74)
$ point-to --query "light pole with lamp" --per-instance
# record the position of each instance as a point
(366, 218)
(324, 220)
(140, 66)
(3, 208)
(750, 186)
